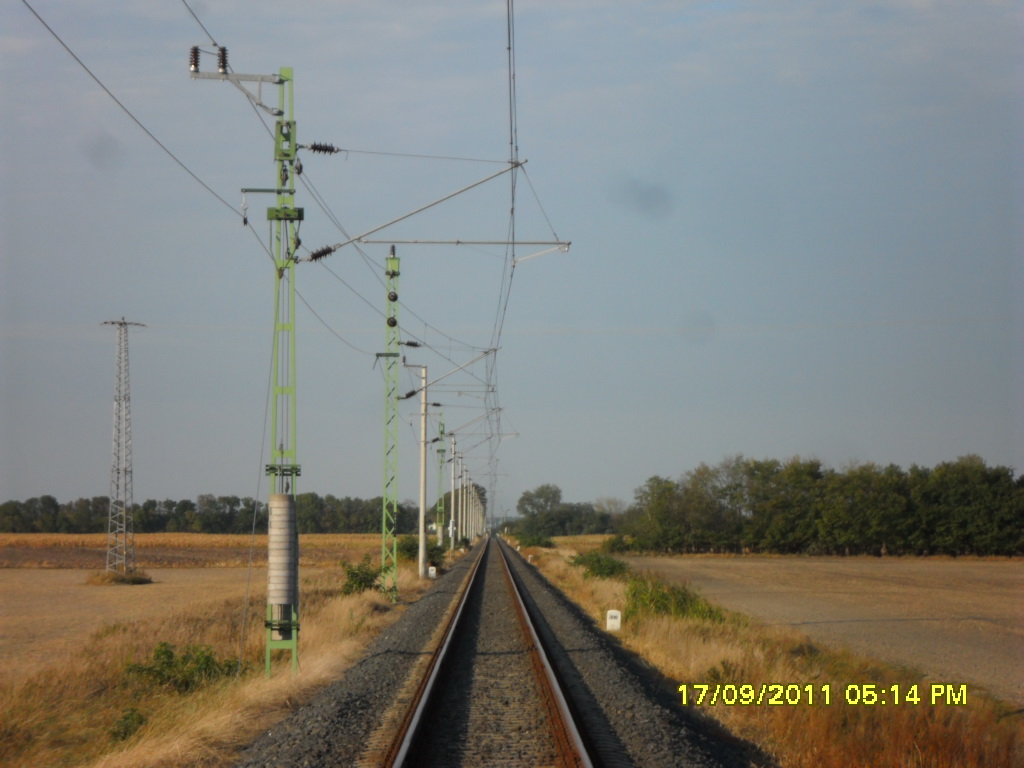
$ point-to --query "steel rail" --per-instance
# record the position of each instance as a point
(399, 749)
(567, 737)
(571, 749)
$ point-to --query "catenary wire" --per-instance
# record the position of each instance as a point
(128, 111)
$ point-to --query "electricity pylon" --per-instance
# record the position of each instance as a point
(120, 518)
(389, 511)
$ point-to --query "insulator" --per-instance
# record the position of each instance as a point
(392, 296)
(410, 393)
(319, 253)
(222, 60)
(326, 149)
(392, 322)
(193, 59)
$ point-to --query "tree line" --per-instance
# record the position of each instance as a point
(206, 514)
(801, 506)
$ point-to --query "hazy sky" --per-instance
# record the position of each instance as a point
(796, 230)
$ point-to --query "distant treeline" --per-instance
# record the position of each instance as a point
(803, 507)
(207, 514)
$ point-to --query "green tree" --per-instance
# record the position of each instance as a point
(712, 521)
(542, 500)
(12, 518)
(310, 514)
(655, 520)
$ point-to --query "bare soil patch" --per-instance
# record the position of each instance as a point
(958, 621)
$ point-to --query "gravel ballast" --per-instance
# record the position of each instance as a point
(332, 730)
(633, 721)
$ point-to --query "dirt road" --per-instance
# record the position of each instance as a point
(959, 621)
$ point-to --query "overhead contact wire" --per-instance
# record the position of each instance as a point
(128, 111)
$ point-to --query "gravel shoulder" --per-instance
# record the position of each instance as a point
(958, 621)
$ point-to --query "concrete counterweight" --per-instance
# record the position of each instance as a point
(282, 574)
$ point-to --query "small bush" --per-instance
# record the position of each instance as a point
(647, 596)
(194, 667)
(361, 577)
(601, 566)
(409, 549)
(129, 722)
(536, 541)
(617, 545)
(724, 673)
(110, 578)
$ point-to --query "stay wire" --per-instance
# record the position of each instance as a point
(255, 517)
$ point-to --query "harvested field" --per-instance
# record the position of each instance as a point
(47, 607)
(46, 612)
(958, 621)
(174, 550)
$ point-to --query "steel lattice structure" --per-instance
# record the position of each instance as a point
(282, 622)
(440, 481)
(120, 519)
(389, 512)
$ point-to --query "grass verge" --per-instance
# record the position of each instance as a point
(171, 692)
(695, 643)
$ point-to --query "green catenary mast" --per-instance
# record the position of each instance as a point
(440, 481)
(389, 512)
(282, 622)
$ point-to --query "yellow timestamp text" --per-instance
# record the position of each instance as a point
(793, 694)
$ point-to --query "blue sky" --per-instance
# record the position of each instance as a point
(796, 230)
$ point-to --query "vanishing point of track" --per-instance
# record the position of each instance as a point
(490, 696)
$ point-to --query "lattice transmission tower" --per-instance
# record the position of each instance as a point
(120, 518)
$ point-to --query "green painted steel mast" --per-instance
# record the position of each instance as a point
(284, 466)
(389, 512)
(282, 622)
(440, 481)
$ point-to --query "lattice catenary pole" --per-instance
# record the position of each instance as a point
(440, 481)
(389, 511)
(282, 621)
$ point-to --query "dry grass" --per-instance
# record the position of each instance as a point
(983, 734)
(64, 714)
(175, 550)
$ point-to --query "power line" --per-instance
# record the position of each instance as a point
(193, 14)
(490, 397)
(128, 111)
(455, 158)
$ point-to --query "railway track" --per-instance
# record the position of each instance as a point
(490, 696)
(481, 700)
